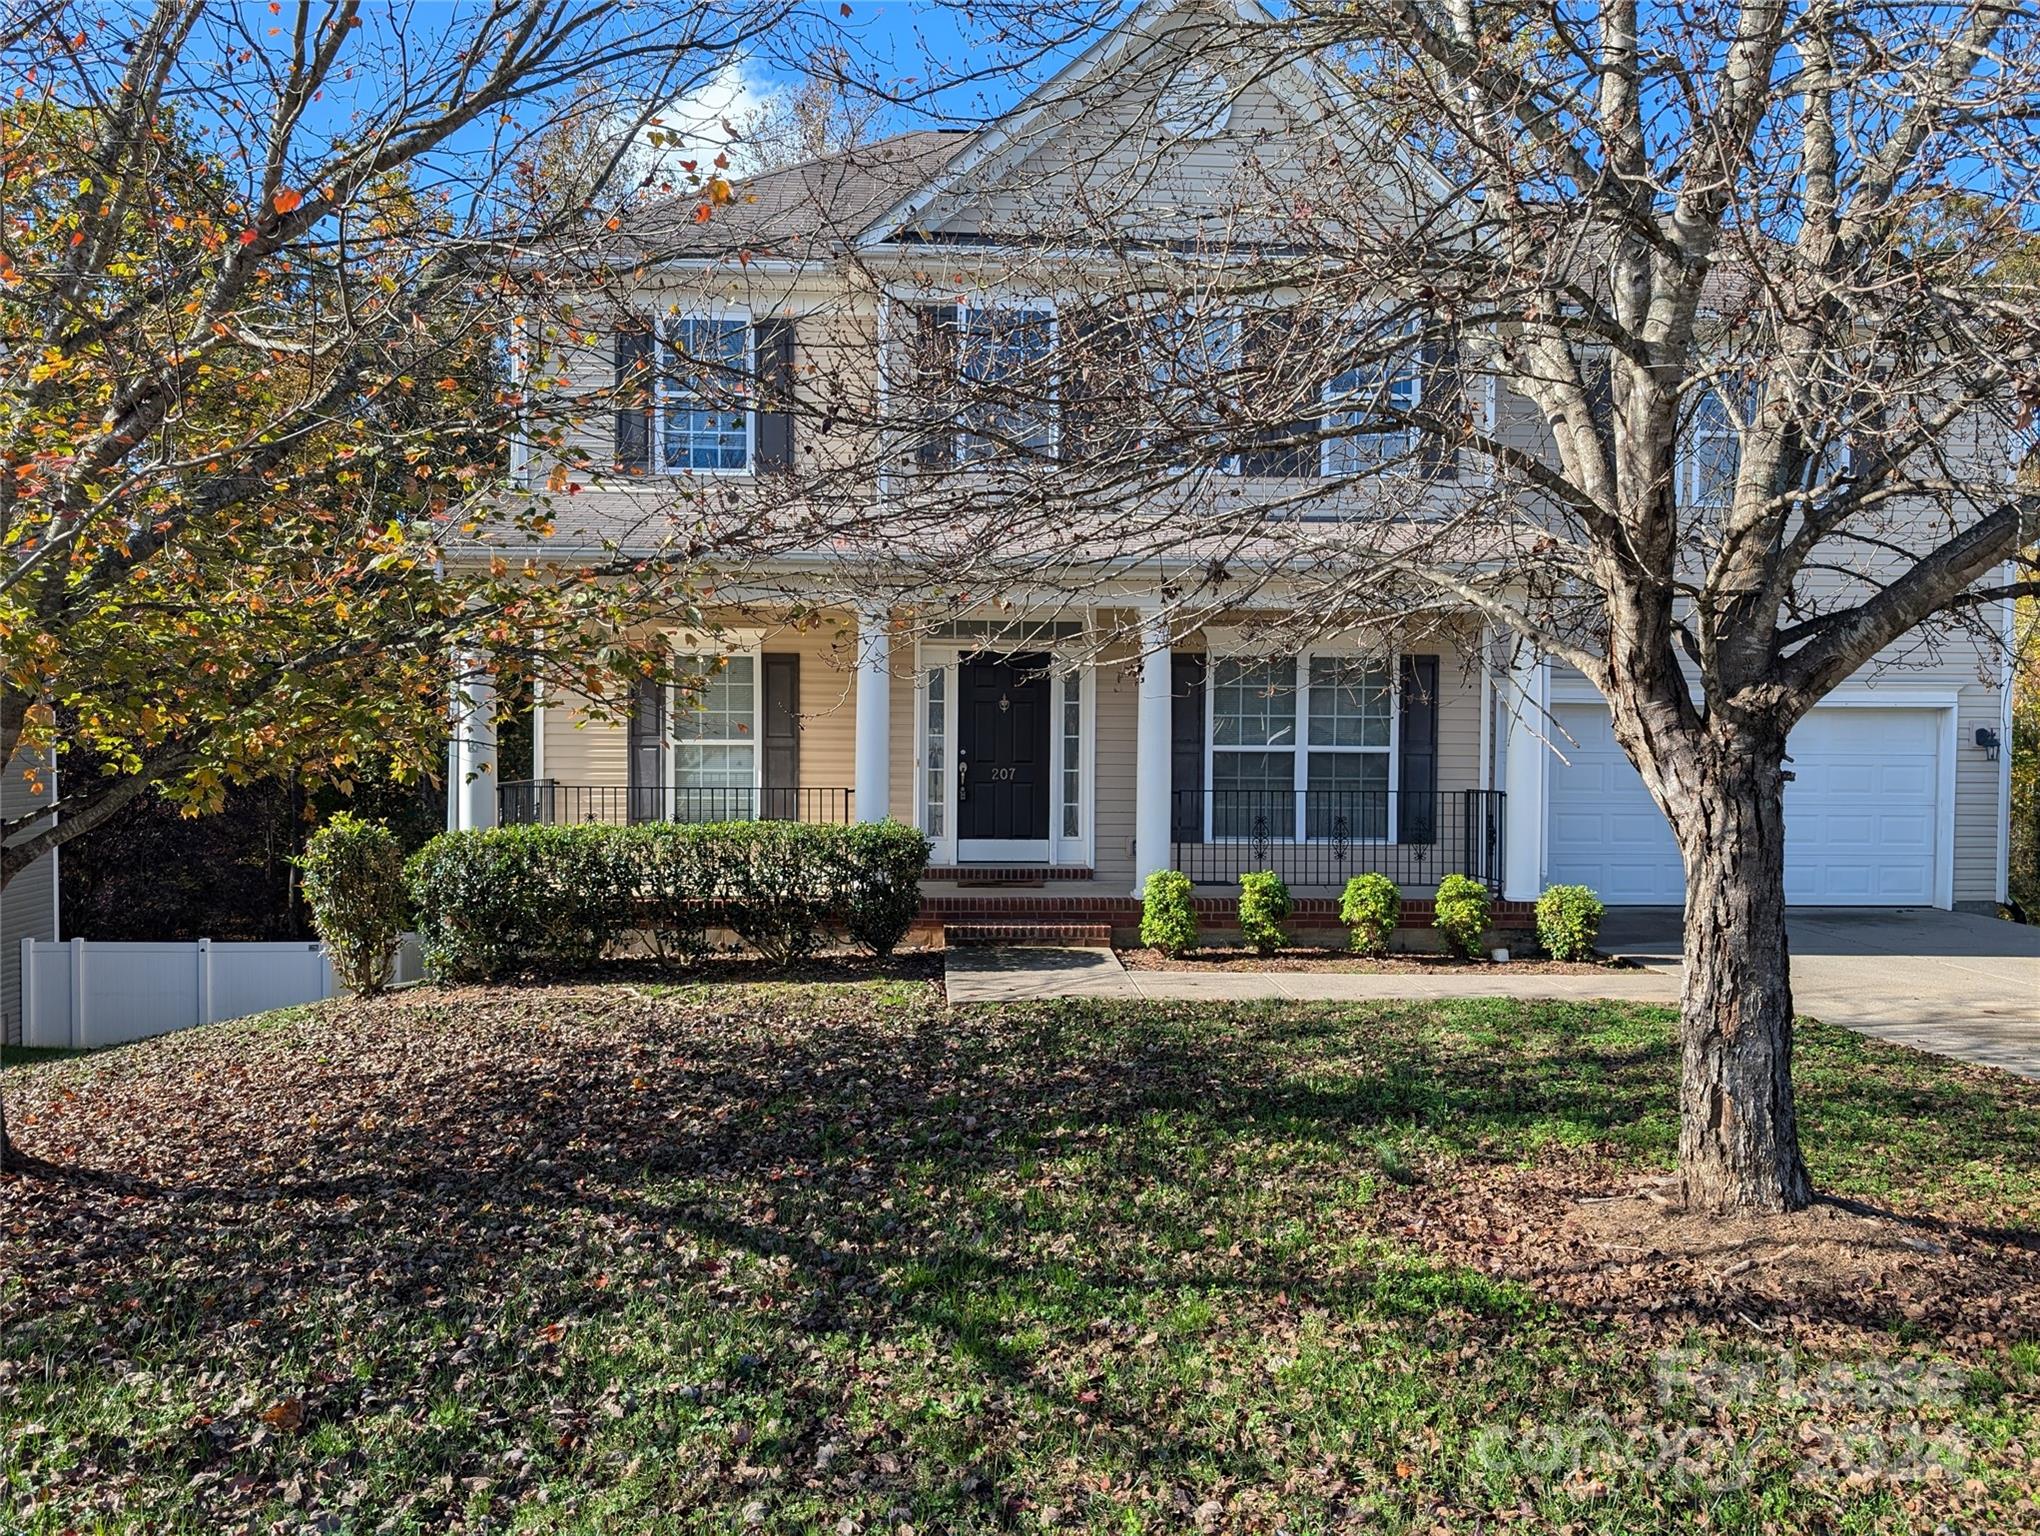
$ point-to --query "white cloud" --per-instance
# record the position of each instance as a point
(719, 116)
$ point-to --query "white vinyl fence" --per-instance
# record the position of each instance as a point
(93, 992)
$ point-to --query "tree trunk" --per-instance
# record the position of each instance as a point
(1738, 1134)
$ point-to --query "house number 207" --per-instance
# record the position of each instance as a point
(1003, 773)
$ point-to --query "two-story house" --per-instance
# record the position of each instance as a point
(1061, 734)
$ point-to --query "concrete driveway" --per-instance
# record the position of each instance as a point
(1950, 982)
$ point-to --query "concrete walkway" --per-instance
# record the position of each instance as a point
(999, 975)
(1949, 982)
(1956, 983)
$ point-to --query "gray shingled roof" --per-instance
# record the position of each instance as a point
(804, 211)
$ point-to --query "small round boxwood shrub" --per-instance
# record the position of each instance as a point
(1568, 922)
(1264, 908)
(1371, 907)
(1462, 914)
(353, 874)
(1167, 920)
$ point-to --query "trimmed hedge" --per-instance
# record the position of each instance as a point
(1264, 908)
(548, 899)
(1461, 914)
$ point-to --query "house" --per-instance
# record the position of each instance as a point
(28, 905)
(1057, 728)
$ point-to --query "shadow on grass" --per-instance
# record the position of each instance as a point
(899, 1169)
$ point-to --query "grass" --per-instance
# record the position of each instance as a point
(841, 1259)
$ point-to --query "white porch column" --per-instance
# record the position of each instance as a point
(473, 789)
(1151, 754)
(1524, 769)
(873, 789)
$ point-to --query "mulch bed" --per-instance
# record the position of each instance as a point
(1215, 957)
(1596, 1238)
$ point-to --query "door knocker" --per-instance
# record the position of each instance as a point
(1004, 703)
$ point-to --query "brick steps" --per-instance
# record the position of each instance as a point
(1077, 935)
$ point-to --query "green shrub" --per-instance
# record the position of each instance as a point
(676, 880)
(1462, 914)
(1568, 922)
(548, 899)
(1371, 907)
(353, 874)
(1264, 907)
(882, 882)
(491, 904)
(1167, 920)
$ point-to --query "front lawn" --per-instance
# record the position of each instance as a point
(838, 1258)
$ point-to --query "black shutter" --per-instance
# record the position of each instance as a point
(1869, 437)
(1101, 387)
(772, 349)
(634, 398)
(1443, 398)
(646, 762)
(1186, 746)
(1276, 356)
(1417, 751)
(936, 343)
(782, 738)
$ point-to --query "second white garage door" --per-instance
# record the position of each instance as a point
(1861, 816)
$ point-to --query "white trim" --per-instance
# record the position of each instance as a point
(1342, 649)
(728, 646)
(950, 848)
(538, 728)
(2007, 678)
(711, 311)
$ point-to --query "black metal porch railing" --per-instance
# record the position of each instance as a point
(548, 801)
(1325, 837)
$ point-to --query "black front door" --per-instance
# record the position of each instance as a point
(1002, 767)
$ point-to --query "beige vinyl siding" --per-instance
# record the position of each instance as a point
(581, 749)
(1118, 742)
(1117, 723)
(1929, 663)
(28, 906)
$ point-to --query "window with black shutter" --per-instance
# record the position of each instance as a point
(1278, 370)
(1444, 400)
(646, 763)
(1186, 747)
(1417, 751)
(772, 347)
(936, 344)
(634, 343)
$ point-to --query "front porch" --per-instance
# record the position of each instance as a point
(1052, 768)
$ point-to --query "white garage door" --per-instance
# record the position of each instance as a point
(1860, 818)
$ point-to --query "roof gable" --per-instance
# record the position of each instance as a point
(1107, 143)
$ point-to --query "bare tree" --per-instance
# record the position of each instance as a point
(1675, 345)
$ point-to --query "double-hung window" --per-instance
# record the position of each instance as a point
(715, 741)
(1193, 366)
(1361, 429)
(704, 397)
(1301, 748)
(1009, 384)
(1712, 451)
(1253, 748)
(1351, 726)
